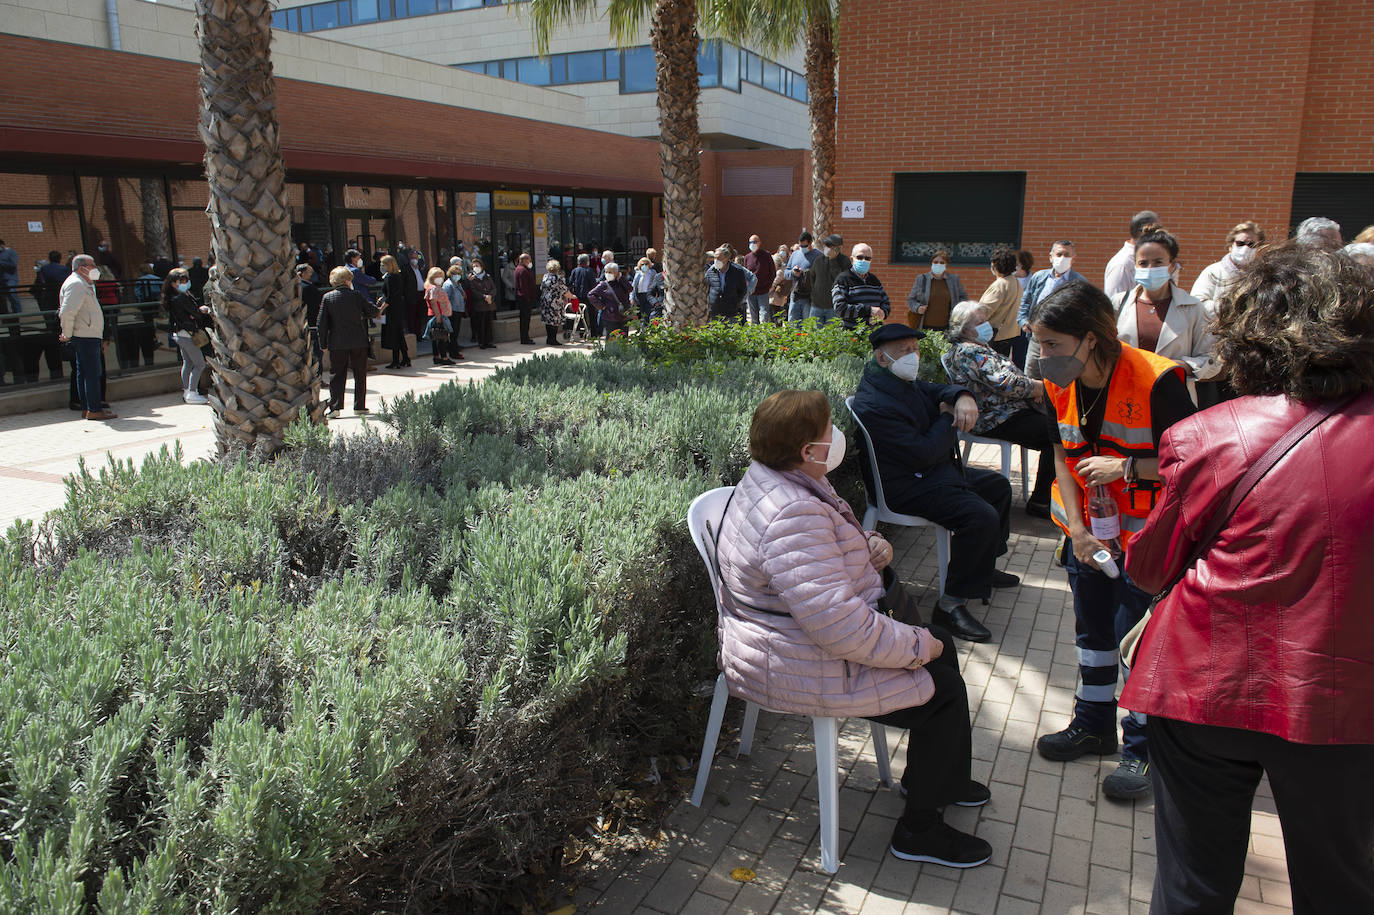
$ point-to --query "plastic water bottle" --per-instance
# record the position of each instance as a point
(1105, 518)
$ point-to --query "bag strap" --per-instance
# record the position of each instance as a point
(1266, 462)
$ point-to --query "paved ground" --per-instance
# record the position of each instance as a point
(1059, 846)
(37, 450)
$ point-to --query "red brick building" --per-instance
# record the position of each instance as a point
(1080, 115)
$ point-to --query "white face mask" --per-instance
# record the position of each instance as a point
(905, 367)
(937, 269)
(721, 265)
(1061, 263)
(835, 456)
(1242, 254)
(753, 246)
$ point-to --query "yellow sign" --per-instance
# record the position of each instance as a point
(510, 200)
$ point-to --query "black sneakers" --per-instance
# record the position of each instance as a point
(1073, 742)
(1130, 780)
(940, 843)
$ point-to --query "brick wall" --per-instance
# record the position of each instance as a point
(1197, 109)
(776, 220)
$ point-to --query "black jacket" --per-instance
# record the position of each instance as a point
(184, 313)
(823, 272)
(311, 295)
(917, 445)
(343, 319)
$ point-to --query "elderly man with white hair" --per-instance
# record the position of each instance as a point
(83, 324)
(1010, 404)
(1362, 252)
(1319, 232)
(858, 297)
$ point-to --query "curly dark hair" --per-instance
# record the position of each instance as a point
(1004, 261)
(1299, 321)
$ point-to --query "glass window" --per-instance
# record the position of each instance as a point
(365, 10)
(772, 76)
(532, 71)
(558, 69)
(729, 66)
(493, 67)
(586, 67)
(970, 214)
(279, 21)
(613, 64)
(637, 74)
(418, 7)
(322, 16)
(799, 88)
(472, 68)
(467, 4)
(752, 72)
(708, 64)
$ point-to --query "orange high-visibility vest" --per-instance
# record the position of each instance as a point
(1127, 431)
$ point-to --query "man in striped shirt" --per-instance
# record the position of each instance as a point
(857, 296)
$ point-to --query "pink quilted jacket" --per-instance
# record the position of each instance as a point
(798, 632)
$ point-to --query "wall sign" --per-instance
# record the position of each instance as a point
(35, 227)
(541, 243)
(852, 209)
(510, 200)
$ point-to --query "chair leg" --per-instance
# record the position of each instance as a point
(880, 751)
(1006, 460)
(968, 449)
(746, 731)
(826, 735)
(708, 746)
(942, 554)
(1025, 474)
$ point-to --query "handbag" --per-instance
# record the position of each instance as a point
(1257, 470)
(897, 601)
(201, 339)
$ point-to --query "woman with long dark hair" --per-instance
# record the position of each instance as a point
(394, 330)
(188, 318)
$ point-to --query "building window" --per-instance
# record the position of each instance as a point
(637, 70)
(970, 214)
(708, 64)
(586, 67)
(756, 181)
(1348, 198)
(333, 14)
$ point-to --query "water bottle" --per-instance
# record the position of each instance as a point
(1104, 516)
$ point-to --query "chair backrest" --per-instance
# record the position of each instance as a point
(872, 480)
(945, 364)
(703, 521)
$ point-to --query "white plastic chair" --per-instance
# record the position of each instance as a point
(703, 520)
(877, 506)
(968, 440)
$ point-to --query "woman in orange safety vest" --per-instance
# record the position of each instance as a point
(1109, 403)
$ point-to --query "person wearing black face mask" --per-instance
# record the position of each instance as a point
(1108, 405)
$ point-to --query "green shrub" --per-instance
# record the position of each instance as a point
(382, 671)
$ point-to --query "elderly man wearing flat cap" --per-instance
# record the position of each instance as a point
(914, 426)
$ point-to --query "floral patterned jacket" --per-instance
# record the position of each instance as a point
(1000, 388)
(551, 301)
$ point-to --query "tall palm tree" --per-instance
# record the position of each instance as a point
(773, 27)
(673, 34)
(264, 378)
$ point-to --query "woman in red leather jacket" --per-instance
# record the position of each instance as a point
(1261, 660)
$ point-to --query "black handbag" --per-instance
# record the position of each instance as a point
(897, 601)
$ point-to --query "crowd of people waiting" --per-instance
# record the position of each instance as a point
(1204, 462)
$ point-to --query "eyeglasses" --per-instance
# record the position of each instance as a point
(1244, 244)
(863, 257)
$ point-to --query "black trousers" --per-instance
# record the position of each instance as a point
(457, 319)
(341, 361)
(482, 324)
(938, 773)
(729, 314)
(526, 307)
(979, 521)
(1028, 427)
(1003, 347)
(1204, 780)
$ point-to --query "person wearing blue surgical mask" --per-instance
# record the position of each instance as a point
(1010, 404)
(857, 295)
(1156, 315)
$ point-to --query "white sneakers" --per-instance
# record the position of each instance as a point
(194, 397)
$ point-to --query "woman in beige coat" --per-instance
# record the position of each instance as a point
(799, 631)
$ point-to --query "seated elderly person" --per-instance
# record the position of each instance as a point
(913, 425)
(799, 632)
(1010, 404)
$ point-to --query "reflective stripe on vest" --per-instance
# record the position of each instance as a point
(1127, 431)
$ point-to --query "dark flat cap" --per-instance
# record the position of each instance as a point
(891, 333)
(832, 240)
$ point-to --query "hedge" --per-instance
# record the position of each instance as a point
(379, 673)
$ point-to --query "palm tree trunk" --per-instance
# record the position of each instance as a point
(263, 377)
(820, 87)
(674, 36)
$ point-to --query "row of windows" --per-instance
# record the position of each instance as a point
(720, 64)
(334, 14)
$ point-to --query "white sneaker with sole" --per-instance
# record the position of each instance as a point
(195, 397)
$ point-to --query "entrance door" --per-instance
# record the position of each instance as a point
(367, 230)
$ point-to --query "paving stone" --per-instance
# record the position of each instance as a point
(701, 904)
(935, 887)
(676, 886)
(1035, 830)
(1276, 892)
(1041, 791)
(872, 839)
(979, 888)
(710, 839)
(717, 880)
(775, 868)
(803, 893)
(1063, 899)
(1004, 804)
(1026, 873)
(1010, 905)
(896, 877)
(1111, 846)
(1069, 859)
(1108, 890)
(757, 829)
(849, 889)
(1011, 765)
(753, 897)
(1142, 876)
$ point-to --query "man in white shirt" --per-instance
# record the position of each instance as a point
(1120, 274)
(83, 323)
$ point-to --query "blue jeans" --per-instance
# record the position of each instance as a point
(1104, 610)
(822, 315)
(759, 310)
(797, 310)
(87, 352)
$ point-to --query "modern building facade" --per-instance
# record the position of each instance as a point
(1023, 123)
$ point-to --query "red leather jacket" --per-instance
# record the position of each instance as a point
(1273, 629)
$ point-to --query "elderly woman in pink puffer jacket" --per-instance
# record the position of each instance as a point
(799, 631)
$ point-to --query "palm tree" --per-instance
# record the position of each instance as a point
(773, 27)
(673, 34)
(264, 378)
